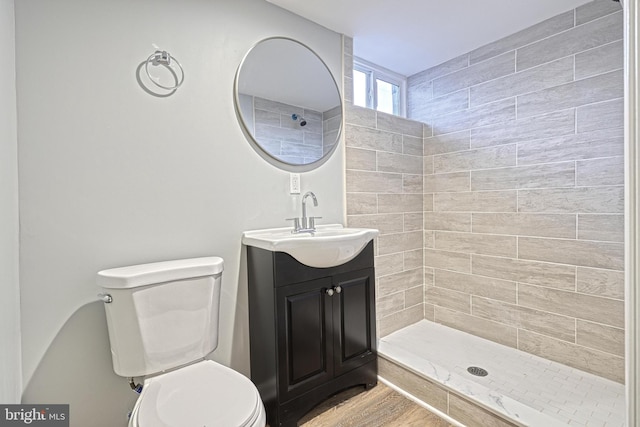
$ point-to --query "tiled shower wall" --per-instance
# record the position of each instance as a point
(384, 174)
(522, 195)
(523, 187)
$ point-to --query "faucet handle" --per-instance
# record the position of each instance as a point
(312, 221)
(296, 223)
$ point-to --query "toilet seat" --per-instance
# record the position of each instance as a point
(205, 394)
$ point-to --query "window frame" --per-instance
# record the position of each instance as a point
(375, 72)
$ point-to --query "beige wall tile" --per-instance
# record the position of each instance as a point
(400, 163)
(604, 283)
(586, 359)
(429, 239)
(412, 145)
(427, 203)
(372, 139)
(388, 203)
(389, 264)
(556, 276)
(420, 94)
(572, 200)
(449, 221)
(458, 181)
(427, 165)
(414, 296)
(477, 201)
(447, 67)
(398, 124)
(389, 304)
(594, 10)
(601, 143)
(400, 281)
(537, 176)
(493, 68)
(587, 307)
(542, 30)
(578, 39)
(599, 60)
(360, 116)
(452, 300)
(429, 274)
(553, 325)
(373, 182)
(447, 143)
(609, 171)
(399, 320)
(441, 105)
(386, 223)
(447, 260)
(361, 203)
(493, 331)
(542, 225)
(608, 228)
(600, 337)
(400, 242)
(537, 78)
(574, 252)
(599, 88)
(495, 289)
(482, 158)
(413, 259)
(357, 158)
(413, 221)
(602, 115)
(484, 115)
(522, 130)
(412, 183)
(487, 244)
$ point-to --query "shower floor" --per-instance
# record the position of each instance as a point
(523, 387)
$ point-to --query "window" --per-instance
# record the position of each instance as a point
(377, 88)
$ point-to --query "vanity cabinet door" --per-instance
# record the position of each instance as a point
(353, 320)
(305, 346)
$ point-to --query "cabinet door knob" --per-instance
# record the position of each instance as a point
(338, 289)
(330, 292)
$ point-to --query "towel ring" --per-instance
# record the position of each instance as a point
(162, 57)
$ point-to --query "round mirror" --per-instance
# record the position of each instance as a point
(288, 102)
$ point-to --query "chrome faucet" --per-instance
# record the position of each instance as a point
(305, 224)
(305, 219)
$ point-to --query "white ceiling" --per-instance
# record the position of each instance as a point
(408, 36)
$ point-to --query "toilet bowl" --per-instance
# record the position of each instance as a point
(203, 394)
(163, 320)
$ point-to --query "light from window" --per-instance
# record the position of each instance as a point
(388, 97)
(377, 88)
(360, 88)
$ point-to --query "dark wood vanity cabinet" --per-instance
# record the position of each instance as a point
(312, 330)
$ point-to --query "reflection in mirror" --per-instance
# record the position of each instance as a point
(288, 102)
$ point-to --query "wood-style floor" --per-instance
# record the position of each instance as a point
(380, 406)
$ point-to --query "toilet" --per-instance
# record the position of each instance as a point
(163, 320)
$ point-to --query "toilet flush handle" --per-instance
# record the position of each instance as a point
(105, 298)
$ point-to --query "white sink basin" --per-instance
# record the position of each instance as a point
(330, 245)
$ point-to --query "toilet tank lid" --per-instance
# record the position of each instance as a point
(159, 272)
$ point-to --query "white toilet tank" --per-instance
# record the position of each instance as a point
(162, 315)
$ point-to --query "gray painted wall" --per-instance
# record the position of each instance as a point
(10, 386)
(112, 176)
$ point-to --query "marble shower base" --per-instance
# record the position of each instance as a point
(521, 389)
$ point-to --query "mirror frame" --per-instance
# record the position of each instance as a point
(246, 128)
